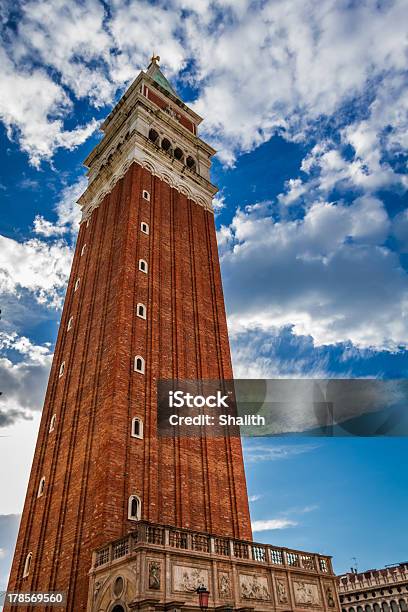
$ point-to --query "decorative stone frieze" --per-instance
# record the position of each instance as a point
(237, 575)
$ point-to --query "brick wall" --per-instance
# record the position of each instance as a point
(90, 462)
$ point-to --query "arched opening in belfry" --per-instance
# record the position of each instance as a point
(178, 153)
(166, 145)
(153, 135)
(118, 608)
(190, 163)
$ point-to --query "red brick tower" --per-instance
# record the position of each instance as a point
(144, 302)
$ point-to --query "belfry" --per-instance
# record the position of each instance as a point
(117, 517)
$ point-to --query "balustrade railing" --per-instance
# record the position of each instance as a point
(185, 539)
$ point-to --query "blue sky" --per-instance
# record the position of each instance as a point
(306, 103)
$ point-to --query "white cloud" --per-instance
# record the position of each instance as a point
(219, 202)
(260, 452)
(400, 229)
(68, 212)
(254, 498)
(34, 266)
(32, 106)
(23, 377)
(255, 354)
(329, 274)
(272, 524)
(294, 190)
(298, 61)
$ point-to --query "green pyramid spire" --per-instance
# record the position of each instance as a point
(156, 74)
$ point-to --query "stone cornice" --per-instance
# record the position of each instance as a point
(139, 149)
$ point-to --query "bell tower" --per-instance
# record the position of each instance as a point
(144, 302)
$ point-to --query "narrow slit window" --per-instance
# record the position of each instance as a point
(27, 564)
(62, 368)
(143, 265)
(144, 227)
(83, 250)
(52, 423)
(41, 487)
(137, 428)
(139, 365)
(134, 508)
(70, 323)
(141, 311)
(146, 195)
(77, 284)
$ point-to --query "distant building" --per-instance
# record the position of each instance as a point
(384, 590)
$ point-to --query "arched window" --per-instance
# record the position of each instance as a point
(134, 508)
(178, 153)
(118, 609)
(385, 607)
(70, 322)
(144, 227)
(146, 195)
(166, 145)
(377, 608)
(83, 250)
(137, 428)
(368, 608)
(143, 265)
(190, 163)
(41, 487)
(27, 564)
(52, 423)
(141, 311)
(403, 605)
(360, 609)
(394, 606)
(62, 368)
(153, 135)
(139, 365)
(77, 284)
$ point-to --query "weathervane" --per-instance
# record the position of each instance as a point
(155, 59)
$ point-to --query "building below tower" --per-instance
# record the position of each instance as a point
(158, 567)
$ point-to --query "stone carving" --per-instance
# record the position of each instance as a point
(170, 111)
(306, 593)
(154, 575)
(224, 585)
(188, 579)
(330, 598)
(98, 586)
(282, 590)
(254, 587)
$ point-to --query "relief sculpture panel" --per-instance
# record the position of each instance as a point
(306, 593)
(188, 579)
(254, 587)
